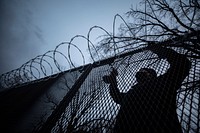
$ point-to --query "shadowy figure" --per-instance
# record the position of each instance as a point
(150, 105)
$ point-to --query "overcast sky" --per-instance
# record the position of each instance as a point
(32, 27)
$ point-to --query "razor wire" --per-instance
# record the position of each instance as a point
(47, 64)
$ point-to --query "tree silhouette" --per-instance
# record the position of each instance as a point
(157, 21)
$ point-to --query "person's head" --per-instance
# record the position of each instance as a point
(145, 75)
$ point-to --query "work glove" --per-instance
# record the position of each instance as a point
(112, 77)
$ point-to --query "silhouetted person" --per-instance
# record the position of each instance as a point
(150, 105)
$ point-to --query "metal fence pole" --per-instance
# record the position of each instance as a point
(56, 114)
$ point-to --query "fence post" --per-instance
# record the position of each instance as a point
(56, 114)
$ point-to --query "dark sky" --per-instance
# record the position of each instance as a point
(32, 27)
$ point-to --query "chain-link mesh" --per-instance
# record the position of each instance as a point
(93, 109)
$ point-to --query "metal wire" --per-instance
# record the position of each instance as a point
(47, 64)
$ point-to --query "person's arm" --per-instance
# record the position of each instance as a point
(179, 64)
(114, 91)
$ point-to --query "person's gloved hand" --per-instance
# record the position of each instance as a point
(162, 52)
(109, 78)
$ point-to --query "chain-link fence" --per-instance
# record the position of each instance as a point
(91, 108)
